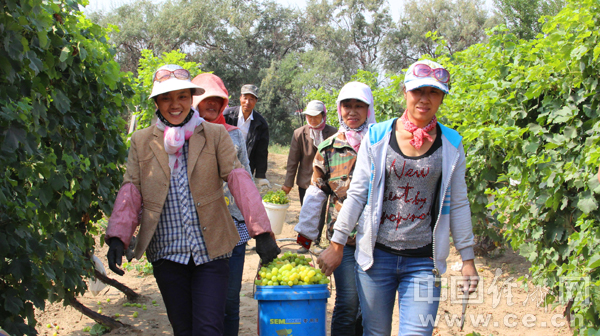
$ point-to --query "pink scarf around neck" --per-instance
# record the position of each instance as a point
(174, 139)
(418, 133)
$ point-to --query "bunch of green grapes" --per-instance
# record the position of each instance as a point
(289, 270)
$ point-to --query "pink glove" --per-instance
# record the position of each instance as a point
(248, 200)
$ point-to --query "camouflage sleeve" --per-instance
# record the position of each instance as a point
(320, 176)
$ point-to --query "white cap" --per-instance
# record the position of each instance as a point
(173, 84)
(314, 108)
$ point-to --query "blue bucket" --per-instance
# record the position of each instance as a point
(292, 311)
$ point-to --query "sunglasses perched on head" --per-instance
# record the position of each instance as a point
(164, 74)
(423, 70)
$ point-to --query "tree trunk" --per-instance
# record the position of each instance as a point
(131, 295)
(99, 318)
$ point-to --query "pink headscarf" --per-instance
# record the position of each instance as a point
(362, 92)
(213, 87)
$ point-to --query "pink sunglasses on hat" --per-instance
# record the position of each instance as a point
(164, 74)
(424, 70)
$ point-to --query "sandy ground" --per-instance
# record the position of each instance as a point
(502, 307)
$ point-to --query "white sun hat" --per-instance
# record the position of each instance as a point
(173, 83)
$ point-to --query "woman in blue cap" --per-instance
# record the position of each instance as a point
(409, 184)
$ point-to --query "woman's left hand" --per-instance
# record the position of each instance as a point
(331, 258)
(471, 277)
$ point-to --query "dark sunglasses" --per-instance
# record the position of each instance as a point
(163, 75)
(423, 70)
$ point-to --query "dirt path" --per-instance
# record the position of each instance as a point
(503, 307)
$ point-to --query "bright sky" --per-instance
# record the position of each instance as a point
(94, 5)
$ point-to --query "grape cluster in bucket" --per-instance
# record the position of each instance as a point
(289, 270)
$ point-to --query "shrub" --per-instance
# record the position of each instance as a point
(528, 111)
(61, 96)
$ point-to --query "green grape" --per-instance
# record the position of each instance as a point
(289, 269)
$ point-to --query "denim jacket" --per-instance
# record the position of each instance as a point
(366, 196)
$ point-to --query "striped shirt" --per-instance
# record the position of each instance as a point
(178, 235)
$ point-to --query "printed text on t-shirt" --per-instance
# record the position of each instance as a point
(390, 195)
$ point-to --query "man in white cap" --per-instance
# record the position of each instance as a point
(255, 129)
(303, 148)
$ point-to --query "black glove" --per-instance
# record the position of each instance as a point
(266, 247)
(115, 254)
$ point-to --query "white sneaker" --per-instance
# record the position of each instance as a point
(302, 250)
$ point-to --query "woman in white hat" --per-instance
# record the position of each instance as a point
(333, 170)
(303, 148)
(176, 169)
(409, 186)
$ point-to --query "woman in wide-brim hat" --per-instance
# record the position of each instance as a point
(174, 178)
(409, 186)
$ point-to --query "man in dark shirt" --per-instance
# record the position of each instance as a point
(255, 130)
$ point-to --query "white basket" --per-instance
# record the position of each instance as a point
(276, 213)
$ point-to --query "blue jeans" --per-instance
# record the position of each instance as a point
(194, 296)
(345, 320)
(232, 306)
(418, 297)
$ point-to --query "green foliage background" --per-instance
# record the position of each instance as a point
(61, 149)
(528, 111)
